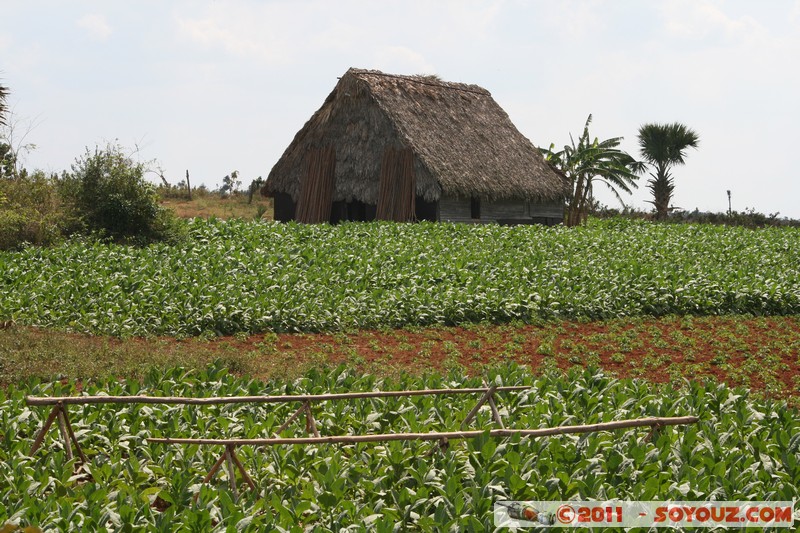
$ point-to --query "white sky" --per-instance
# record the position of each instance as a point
(213, 86)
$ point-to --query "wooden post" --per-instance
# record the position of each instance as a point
(240, 466)
(212, 471)
(231, 471)
(484, 398)
(59, 412)
(495, 412)
(232, 462)
(653, 430)
(42, 432)
(78, 450)
(311, 425)
(188, 185)
(215, 467)
(62, 427)
(291, 419)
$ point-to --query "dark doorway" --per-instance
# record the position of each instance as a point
(283, 207)
(354, 211)
(426, 210)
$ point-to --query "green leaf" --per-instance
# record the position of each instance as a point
(327, 499)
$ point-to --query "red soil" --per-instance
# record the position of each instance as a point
(760, 353)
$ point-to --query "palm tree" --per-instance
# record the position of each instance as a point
(663, 146)
(590, 161)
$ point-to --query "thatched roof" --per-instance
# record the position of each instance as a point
(464, 143)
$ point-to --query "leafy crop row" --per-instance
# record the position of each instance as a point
(742, 449)
(236, 276)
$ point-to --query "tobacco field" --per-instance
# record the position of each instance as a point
(235, 276)
(742, 449)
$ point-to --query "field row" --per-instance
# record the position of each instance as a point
(742, 449)
(235, 276)
(761, 353)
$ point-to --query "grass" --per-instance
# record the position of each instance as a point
(207, 205)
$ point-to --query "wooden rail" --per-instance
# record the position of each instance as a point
(449, 435)
(229, 455)
(177, 400)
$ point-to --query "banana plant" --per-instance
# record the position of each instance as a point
(593, 161)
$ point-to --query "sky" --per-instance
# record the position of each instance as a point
(215, 86)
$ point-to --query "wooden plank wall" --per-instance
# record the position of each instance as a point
(503, 209)
(452, 209)
(547, 209)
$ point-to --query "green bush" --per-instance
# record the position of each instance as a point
(749, 218)
(30, 211)
(110, 197)
(12, 226)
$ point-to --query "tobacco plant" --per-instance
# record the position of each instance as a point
(235, 276)
(741, 449)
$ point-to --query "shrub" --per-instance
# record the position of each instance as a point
(749, 218)
(30, 211)
(109, 195)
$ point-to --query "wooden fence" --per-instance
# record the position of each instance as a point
(59, 403)
(229, 455)
(232, 461)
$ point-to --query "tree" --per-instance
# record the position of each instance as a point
(230, 183)
(110, 197)
(255, 185)
(8, 160)
(6, 155)
(592, 161)
(3, 106)
(13, 133)
(664, 146)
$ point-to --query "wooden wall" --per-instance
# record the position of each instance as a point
(547, 209)
(452, 209)
(448, 209)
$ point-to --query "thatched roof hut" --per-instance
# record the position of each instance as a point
(382, 140)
